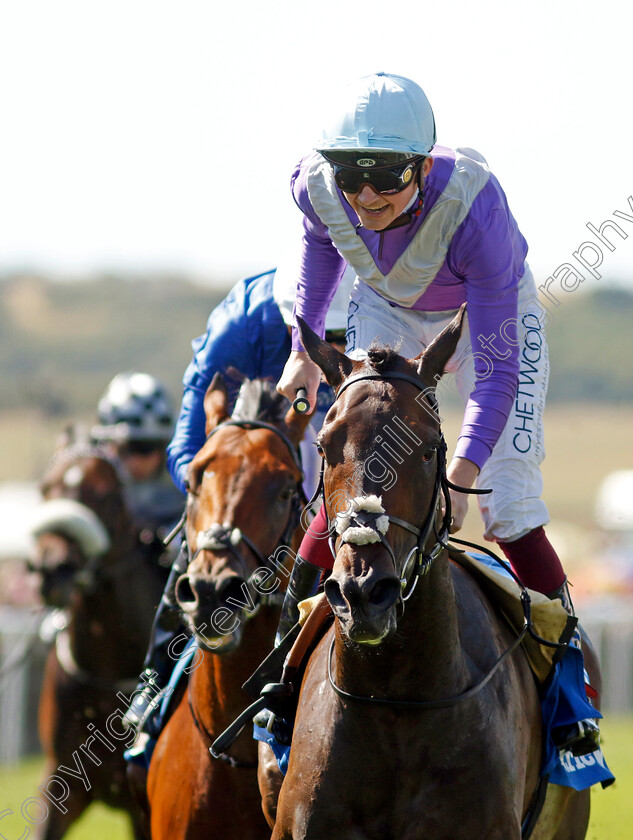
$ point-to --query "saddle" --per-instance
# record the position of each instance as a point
(551, 624)
(315, 617)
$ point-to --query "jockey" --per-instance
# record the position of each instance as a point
(135, 423)
(248, 333)
(427, 228)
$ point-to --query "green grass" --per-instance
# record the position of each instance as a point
(611, 809)
(21, 781)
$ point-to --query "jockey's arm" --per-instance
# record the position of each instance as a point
(463, 472)
(300, 372)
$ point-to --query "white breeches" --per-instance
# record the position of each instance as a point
(513, 470)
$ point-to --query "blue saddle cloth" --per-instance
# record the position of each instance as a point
(563, 702)
(280, 751)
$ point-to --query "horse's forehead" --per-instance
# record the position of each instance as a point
(233, 447)
(373, 404)
(71, 475)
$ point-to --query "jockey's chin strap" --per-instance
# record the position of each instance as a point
(227, 538)
(420, 559)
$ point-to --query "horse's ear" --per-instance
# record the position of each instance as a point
(432, 361)
(216, 403)
(336, 366)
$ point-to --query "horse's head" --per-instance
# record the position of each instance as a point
(243, 504)
(383, 454)
(82, 514)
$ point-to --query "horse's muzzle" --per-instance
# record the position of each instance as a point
(215, 609)
(365, 605)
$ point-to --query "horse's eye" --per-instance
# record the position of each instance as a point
(428, 455)
(319, 448)
(286, 494)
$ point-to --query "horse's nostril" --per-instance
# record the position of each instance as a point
(184, 591)
(233, 588)
(333, 593)
(384, 593)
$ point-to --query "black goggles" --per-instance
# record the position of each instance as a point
(386, 181)
(141, 447)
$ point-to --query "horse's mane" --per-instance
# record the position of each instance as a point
(74, 444)
(75, 451)
(382, 357)
(258, 400)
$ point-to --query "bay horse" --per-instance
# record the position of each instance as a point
(104, 586)
(418, 716)
(244, 501)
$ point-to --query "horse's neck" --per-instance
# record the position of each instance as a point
(108, 634)
(216, 684)
(424, 658)
(431, 627)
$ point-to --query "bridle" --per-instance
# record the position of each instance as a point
(226, 537)
(419, 559)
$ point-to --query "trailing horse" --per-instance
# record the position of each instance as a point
(418, 717)
(242, 525)
(105, 588)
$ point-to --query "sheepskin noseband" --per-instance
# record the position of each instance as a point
(363, 521)
(218, 537)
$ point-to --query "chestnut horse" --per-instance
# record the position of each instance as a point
(105, 588)
(418, 715)
(243, 507)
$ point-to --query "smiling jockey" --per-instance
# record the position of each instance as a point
(427, 228)
(248, 333)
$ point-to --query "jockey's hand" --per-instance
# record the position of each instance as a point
(300, 372)
(463, 472)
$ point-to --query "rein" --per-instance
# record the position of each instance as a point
(209, 740)
(425, 704)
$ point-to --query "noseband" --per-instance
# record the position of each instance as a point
(419, 561)
(227, 538)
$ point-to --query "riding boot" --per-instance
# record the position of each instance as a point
(303, 583)
(159, 664)
(582, 737)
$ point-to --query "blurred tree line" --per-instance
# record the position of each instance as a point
(591, 347)
(61, 342)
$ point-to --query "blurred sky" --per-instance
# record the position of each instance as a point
(152, 135)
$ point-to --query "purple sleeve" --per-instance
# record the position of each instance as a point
(321, 264)
(489, 252)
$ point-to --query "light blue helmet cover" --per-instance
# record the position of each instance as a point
(381, 111)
